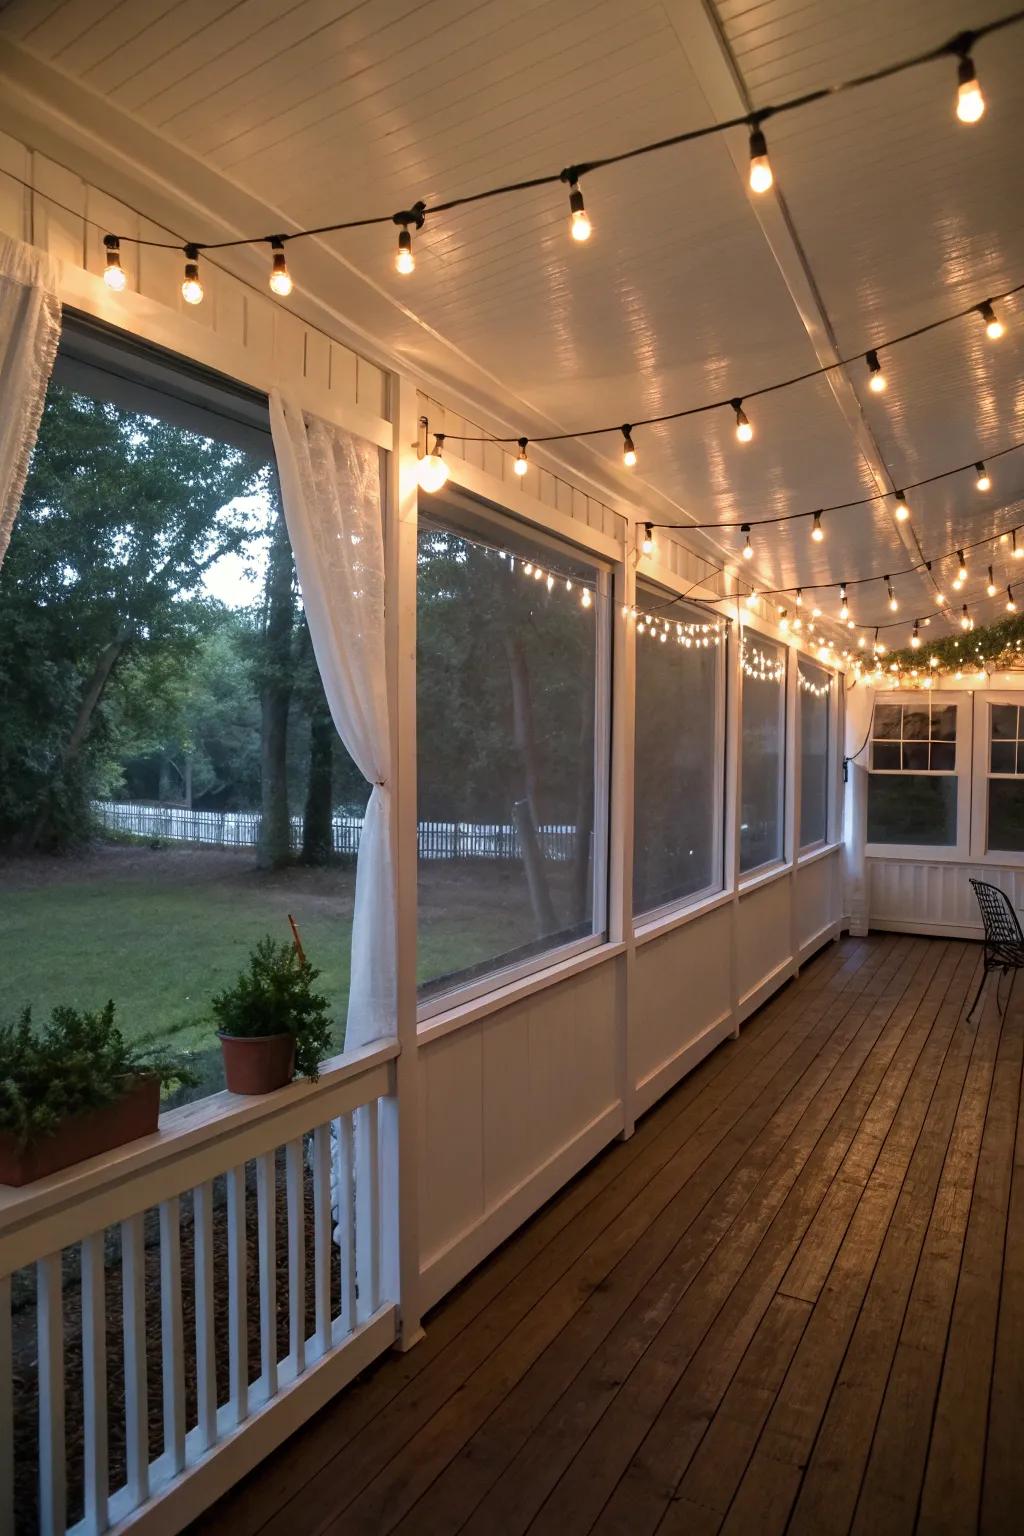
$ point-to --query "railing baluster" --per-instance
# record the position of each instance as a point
(266, 1197)
(133, 1267)
(94, 1380)
(296, 1256)
(346, 1220)
(238, 1354)
(171, 1333)
(322, 1235)
(6, 1411)
(206, 1369)
(367, 1211)
(50, 1351)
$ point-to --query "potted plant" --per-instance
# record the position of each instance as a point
(271, 1022)
(74, 1089)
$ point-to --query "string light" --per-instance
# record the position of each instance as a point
(114, 274)
(1017, 549)
(751, 599)
(522, 463)
(961, 575)
(902, 510)
(280, 277)
(191, 287)
(431, 470)
(628, 451)
(585, 598)
(983, 481)
(648, 543)
(876, 378)
(579, 223)
(994, 327)
(744, 431)
(965, 619)
(817, 531)
(991, 589)
(844, 609)
(799, 597)
(1011, 605)
(405, 262)
(748, 552)
(761, 176)
(893, 604)
(758, 664)
(915, 639)
(970, 103)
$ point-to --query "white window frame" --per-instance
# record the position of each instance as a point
(689, 613)
(495, 519)
(788, 783)
(832, 718)
(980, 851)
(940, 852)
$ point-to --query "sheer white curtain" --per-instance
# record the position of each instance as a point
(29, 332)
(333, 505)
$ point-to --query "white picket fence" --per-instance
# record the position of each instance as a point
(241, 829)
(139, 1224)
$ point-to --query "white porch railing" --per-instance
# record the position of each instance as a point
(261, 1173)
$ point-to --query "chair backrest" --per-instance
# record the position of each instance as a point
(1001, 926)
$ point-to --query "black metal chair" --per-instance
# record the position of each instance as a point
(1004, 941)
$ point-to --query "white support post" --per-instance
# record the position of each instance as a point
(622, 792)
(94, 1382)
(206, 1369)
(322, 1236)
(238, 1328)
(266, 1214)
(734, 799)
(400, 1258)
(171, 1333)
(136, 1407)
(50, 1349)
(368, 1211)
(792, 768)
(345, 1226)
(296, 1256)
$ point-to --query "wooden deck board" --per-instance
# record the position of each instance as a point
(793, 1301)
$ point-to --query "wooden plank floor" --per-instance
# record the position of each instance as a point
(793, 1301)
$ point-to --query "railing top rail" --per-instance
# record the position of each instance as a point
(195, 1142)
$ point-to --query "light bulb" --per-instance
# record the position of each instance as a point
(114, 274)
(579, 223)
(970, 103)
(648, 543)
(902, 510)
(521, 464)
(961, 574)
(991, 588)
(799, 597)
(1018, 549)
(761, 176)
(748, 553)
(585, 598)
(431, 470)
(940, 598)
(817, 531)
(744, 431)
(280, 277)
(405, 262)
(965, 618)
(876, 380)
(915, 639)
(628, 451)
(844, 609)
(191, 287)
(784, 621)
(751, 599)
(994, 327)
(983, 481)
(893, 604)
(1011, 606)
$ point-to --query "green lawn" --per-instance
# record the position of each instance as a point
(161, 930)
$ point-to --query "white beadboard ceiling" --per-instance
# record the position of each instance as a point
(890, 215)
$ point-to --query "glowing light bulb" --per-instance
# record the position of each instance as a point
(744, 431)
(579, 223)
(751, 599)
(114, 274)
(844, 608)
(585, 598)
(431, 470)
(983, 482)
(961, 574)
(991, 588)
(748, 553)
(405, 262)
(280, 277)
(1011, 605)
(1018, 549)
(902, 510)
(877, 381)
(191, 287)
(784, 621)
(994, 327)
(761, 176)
(970, 103)
(628, 451)
(521, 464)
(893, 604)
(915, 639)
(965, 618)
(648, 544)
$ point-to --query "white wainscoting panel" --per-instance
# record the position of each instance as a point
(511, 1107)
(818, 891)
(682, 1002)
(922, 896)
(764, 954)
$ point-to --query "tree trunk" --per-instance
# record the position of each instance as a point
(92, 694)
(525, 810)
(317, 831)
(275, 697)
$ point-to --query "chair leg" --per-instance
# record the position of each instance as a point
(977, 995)
(1009, 995)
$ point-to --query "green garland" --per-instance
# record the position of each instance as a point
(997, 647)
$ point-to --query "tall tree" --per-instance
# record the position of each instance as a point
(275, 676)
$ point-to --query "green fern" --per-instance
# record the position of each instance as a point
(275, 996)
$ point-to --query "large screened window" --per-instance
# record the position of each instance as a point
(512, 747)
(679, 769)
(763, 762)
(1006, 779)
(912, 792)
(815, 710)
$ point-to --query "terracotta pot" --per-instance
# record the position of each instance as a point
(258, 1063)
(134, 1114)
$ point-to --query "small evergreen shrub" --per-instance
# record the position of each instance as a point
(275, 996)
(77, 1062)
